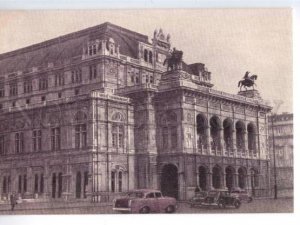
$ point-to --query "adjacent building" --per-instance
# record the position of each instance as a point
(95, 113)
(281, 137)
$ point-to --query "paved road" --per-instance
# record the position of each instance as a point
(257, 206)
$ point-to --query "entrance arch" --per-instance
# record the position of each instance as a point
(229, 177)
(216, 177)
(242, 177)
(169, 181)
(202, 178)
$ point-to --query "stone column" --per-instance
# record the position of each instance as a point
(30, 180)
(208, 140)
(246, 150)
(221, 141)
(234, 149)
(235, 180)
(223, 178)
(209, 180)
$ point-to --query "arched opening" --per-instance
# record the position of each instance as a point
(201, 132)
(251, 137)
(59, 185)
(146, 55)
(78, 185)
(216, 177)
(215, 128)
(150, 57)
(53, 185)
(242, 174)
(254, 180)
(228, 128)
(169, 181)
(240, 140)
(229, 177)
(202, 178)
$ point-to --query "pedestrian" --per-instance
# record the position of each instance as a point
(13, 201)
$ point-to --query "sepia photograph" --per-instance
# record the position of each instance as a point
(136, 111)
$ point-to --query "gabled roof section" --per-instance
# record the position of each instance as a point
(64, 48)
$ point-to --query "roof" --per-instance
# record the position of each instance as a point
(64, 48)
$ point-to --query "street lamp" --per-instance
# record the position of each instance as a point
(277, 103)
(274, 157)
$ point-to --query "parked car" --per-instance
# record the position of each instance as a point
(145, 201)
(198, 198)
(221, 199)
(242, 195)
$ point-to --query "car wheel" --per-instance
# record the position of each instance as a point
(221, 205)
(145, 210)
(237, 204)
(170, 209)
(250, 199)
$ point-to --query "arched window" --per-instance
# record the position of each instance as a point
(216, 177)
(120, 181)
(228, 128)
(251, 137)
(85, 183)
(146, 55)
(240, 141)
(202, 178)
(78, 185)
(113, 181)
(169, 131)
(150, 57)
(201, 132)
(53, 185)
(215, 129)
(242, 175)
(165, 138)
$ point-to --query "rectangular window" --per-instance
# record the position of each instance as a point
(28, 86)
(2, 90)
(85, 184)
(76, 76)
(59, 80)
(43, 83)
(93, 71)
(13, 88)
(113, 181)
(37, 140)
(80, 136)
(2, 150)
(174, 137)
(19, 142)
(117, 136)
(36, 183)
(55, 138)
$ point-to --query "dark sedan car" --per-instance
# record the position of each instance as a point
(242, 195)
(221, 199)
(198, 198)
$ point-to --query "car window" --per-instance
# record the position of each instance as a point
(135, 194)
(158, 194)
(150, 195)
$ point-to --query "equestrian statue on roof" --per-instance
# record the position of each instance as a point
(247, 81)
(174, 61)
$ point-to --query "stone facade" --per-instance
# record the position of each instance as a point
(282, 128)
(95, 113)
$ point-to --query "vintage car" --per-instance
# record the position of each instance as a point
(242, 195)
(198, 198)
(145, 201)
(221, 199)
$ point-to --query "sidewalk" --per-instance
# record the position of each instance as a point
(40, 205)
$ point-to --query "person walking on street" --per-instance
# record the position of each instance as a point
(13, 201)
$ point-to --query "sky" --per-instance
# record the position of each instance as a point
(228, 41)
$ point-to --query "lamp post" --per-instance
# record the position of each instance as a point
(274, 157)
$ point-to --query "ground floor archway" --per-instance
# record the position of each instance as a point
(169, 181)
(216, 177)
(202, 178)
(229, 177)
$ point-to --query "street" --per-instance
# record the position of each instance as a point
(257, 206)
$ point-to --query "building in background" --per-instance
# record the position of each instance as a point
(282, 126)
(94, 113)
